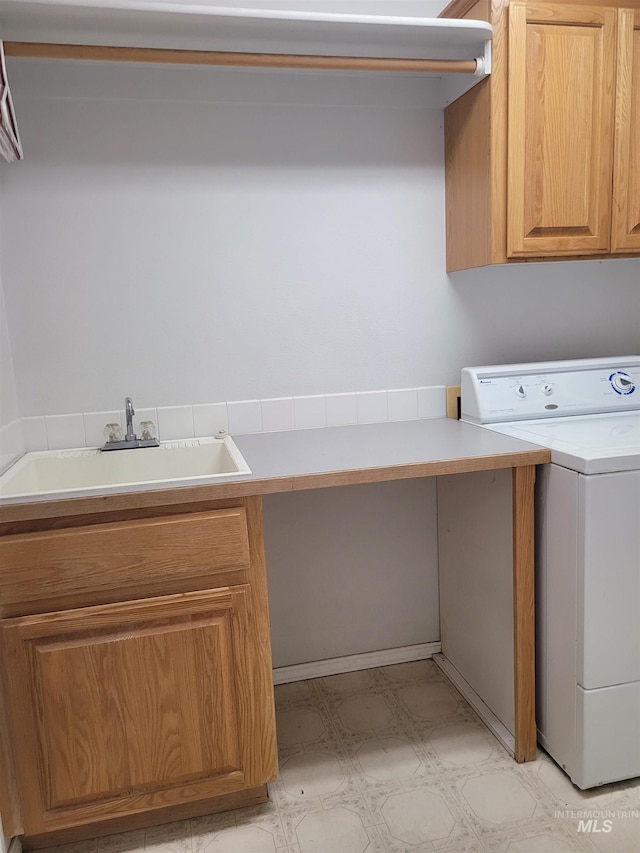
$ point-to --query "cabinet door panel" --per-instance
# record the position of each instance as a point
(626, 173)
(561, 72)
(126, 707)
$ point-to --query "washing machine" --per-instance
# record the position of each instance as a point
(587, 412)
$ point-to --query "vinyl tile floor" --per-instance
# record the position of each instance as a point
(393, 760)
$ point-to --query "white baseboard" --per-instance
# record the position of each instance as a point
(482, 710)
(352, 663)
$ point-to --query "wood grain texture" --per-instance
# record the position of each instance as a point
(260, 741)
(561, 87)
(126, 708)
(453, 401)
(498, 127)
(9, 801)
(103, 562)
(467, 167)
(477, 10)
(523, 481)
(226, 58)
(475, 159)
(117, 711)
(166, 814)
(536, 191)
(626, 167)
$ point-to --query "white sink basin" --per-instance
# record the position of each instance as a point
(77, 473)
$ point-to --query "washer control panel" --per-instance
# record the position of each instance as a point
(515, 392)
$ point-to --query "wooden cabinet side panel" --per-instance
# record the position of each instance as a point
(561, 72)
(476, 10)
(467, 168)
(475, 155)
(259, 741)
(626, 171)
(120, 709)
(9, 799)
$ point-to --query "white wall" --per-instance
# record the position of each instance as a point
(8, 394)
(262, 237)
(195, 235)
(11, 443)
(351, 570)
(192, 235)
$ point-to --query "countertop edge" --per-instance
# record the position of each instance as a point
(181, 495)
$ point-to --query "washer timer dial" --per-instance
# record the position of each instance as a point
(622, 383)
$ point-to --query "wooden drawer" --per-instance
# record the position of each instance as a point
(103, 563)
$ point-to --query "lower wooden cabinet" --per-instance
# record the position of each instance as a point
(125, 708)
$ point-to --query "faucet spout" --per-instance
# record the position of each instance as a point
(129, 413)
(131, 440)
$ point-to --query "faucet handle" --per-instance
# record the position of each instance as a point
(147, 430)
(112, 432)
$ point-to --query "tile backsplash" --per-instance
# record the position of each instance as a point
(86, 429)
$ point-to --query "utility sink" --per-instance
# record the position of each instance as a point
(88, 471)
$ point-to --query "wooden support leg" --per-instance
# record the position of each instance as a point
(523, 612)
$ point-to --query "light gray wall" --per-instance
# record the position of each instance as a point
(191, 235)
(206, 236)
(8, 394)
(351, 570)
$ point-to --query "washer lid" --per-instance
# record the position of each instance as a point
(590, 444)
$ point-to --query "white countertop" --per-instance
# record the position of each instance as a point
(364, 447)
(318, 458)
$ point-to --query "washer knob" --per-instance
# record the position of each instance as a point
(622, 383)
(521, 391)
(547, 389)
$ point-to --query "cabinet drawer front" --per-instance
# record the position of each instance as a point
(129, 559)
(129, 707)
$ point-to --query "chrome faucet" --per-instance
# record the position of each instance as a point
(131, 440)
(129, 413)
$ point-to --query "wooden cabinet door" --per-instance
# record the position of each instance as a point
(124, 708)
(625, 235)
(560, 128)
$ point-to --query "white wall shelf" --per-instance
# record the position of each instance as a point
(457, 51)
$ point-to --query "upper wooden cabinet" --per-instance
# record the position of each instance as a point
(543, 159)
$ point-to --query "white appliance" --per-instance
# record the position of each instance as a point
(587, 412)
